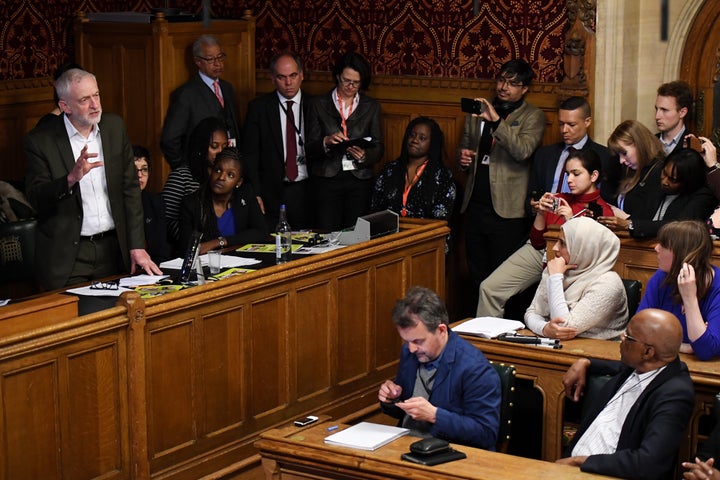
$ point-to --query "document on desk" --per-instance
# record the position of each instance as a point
(488, 327)
(226, 261)
(366, 436)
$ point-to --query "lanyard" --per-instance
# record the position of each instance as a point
(297, 129)
(409, 185)
(342, 114)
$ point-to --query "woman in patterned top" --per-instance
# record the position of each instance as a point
(417, 184)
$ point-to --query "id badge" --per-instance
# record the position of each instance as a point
(485, 160)
(348, 163)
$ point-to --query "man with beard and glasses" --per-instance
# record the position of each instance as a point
(444, 387)
(81, 179)
(495, 151)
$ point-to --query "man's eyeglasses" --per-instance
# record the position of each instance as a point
(350, 83)
(632, 339)
(112, 285)
(511, 82)
(142, 171)
(219, 59)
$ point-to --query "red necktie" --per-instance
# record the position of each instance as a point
(216, 87)
(291, 168)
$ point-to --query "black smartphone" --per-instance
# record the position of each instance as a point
(301, 422)
(470, 105)
(190, 256)
(595, 208)
(536, 195)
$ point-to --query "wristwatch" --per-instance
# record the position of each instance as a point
(222, 242)
(713, 168)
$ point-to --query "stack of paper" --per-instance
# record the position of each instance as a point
(366, 436)
(488, 327)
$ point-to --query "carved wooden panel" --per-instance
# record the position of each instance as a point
(310, 335)
(353, 329)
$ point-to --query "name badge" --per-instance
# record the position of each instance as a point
(485, 160)
(232, 142)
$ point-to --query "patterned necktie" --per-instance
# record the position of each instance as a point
(562, 182)
(291, 168)
(216, 87)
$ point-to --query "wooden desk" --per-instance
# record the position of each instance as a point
(180, 386)
(545, 367)
(290, 453)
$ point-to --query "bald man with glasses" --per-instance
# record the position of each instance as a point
(636, 422)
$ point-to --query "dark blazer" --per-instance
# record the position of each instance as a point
(49, 160)
(680, 143)
(466, 393)
(545, 161)
(324, 119)
(156, 232)
(697, 205)
(189, 104)
(250, 224)
(653, 429)
(263, 147)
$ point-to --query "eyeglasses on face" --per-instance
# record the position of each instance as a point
(142, 171)
(626, 336)
(219, 59)
(350, 83)
(508, 81)
(112, 285)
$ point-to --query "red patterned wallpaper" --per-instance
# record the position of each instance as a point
(440, 38)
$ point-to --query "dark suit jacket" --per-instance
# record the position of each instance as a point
(697, 205)
(250, 224)
(263, 147)
(545, 161)
(653, 429)
(189, 104)
(466, 393)
(49, 160)
(324, 119)
(680, 143)
(156, 231)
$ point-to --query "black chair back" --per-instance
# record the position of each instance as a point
(633, 290)
(507, 389)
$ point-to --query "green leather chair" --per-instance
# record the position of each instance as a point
(633, 291)
(507, 389)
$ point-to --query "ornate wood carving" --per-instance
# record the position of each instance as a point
(579, 48)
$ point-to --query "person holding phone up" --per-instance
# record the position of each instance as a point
(524, 267)
(495, 151)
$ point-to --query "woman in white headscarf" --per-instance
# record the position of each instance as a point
(579, 294)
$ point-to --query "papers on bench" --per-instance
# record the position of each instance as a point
(488, 327)
(226, 261)
(366, 436)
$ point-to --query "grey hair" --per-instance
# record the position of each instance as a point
(65, 81)
(422, 303)
(203, 40)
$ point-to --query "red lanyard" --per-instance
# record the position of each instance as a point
(408, 186)
(342, 113)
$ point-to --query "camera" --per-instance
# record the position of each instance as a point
(556, 204)
(595, 208)
(470, 105)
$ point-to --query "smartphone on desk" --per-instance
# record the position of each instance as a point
(301, 422)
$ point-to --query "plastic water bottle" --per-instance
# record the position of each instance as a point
(283, 238)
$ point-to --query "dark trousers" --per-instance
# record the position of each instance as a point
(97, 259)
(490, 240)
(340, 200)
(298, 203)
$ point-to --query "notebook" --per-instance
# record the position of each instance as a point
(366, 436)
(488, 327)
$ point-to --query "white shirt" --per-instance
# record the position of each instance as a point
(603, 434)
(300, 123)
(97, 216)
